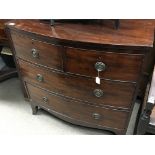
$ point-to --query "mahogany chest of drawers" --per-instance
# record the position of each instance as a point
(58, 67)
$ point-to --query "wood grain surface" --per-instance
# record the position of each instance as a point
(115, 94)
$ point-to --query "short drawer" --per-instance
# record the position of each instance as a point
(36, 51)
(115, 66)
(108, 93)
(79, 111)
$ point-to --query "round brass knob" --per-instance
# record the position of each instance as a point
(100, 66)
(45, 99)
(39, 78)
(35, 53)
(98, 92)
(96, 116)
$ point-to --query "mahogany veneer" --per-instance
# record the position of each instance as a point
(58, 65)
(80, 88)
(76, 110)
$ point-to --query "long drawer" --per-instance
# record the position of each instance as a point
(115, 66)
(37, 52)
(108, 93)
(78, 111)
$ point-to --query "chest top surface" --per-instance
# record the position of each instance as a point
(135, 33)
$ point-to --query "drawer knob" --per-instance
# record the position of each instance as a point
(45, 99)
(96, 116)
(39, 78)
(98, 92)
(100, 66)
(35, 53)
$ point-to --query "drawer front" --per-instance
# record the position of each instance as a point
(77, 110)
(116, 66)
(37, 52)
(109, 93)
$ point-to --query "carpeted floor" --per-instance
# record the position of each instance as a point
(16, 117)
